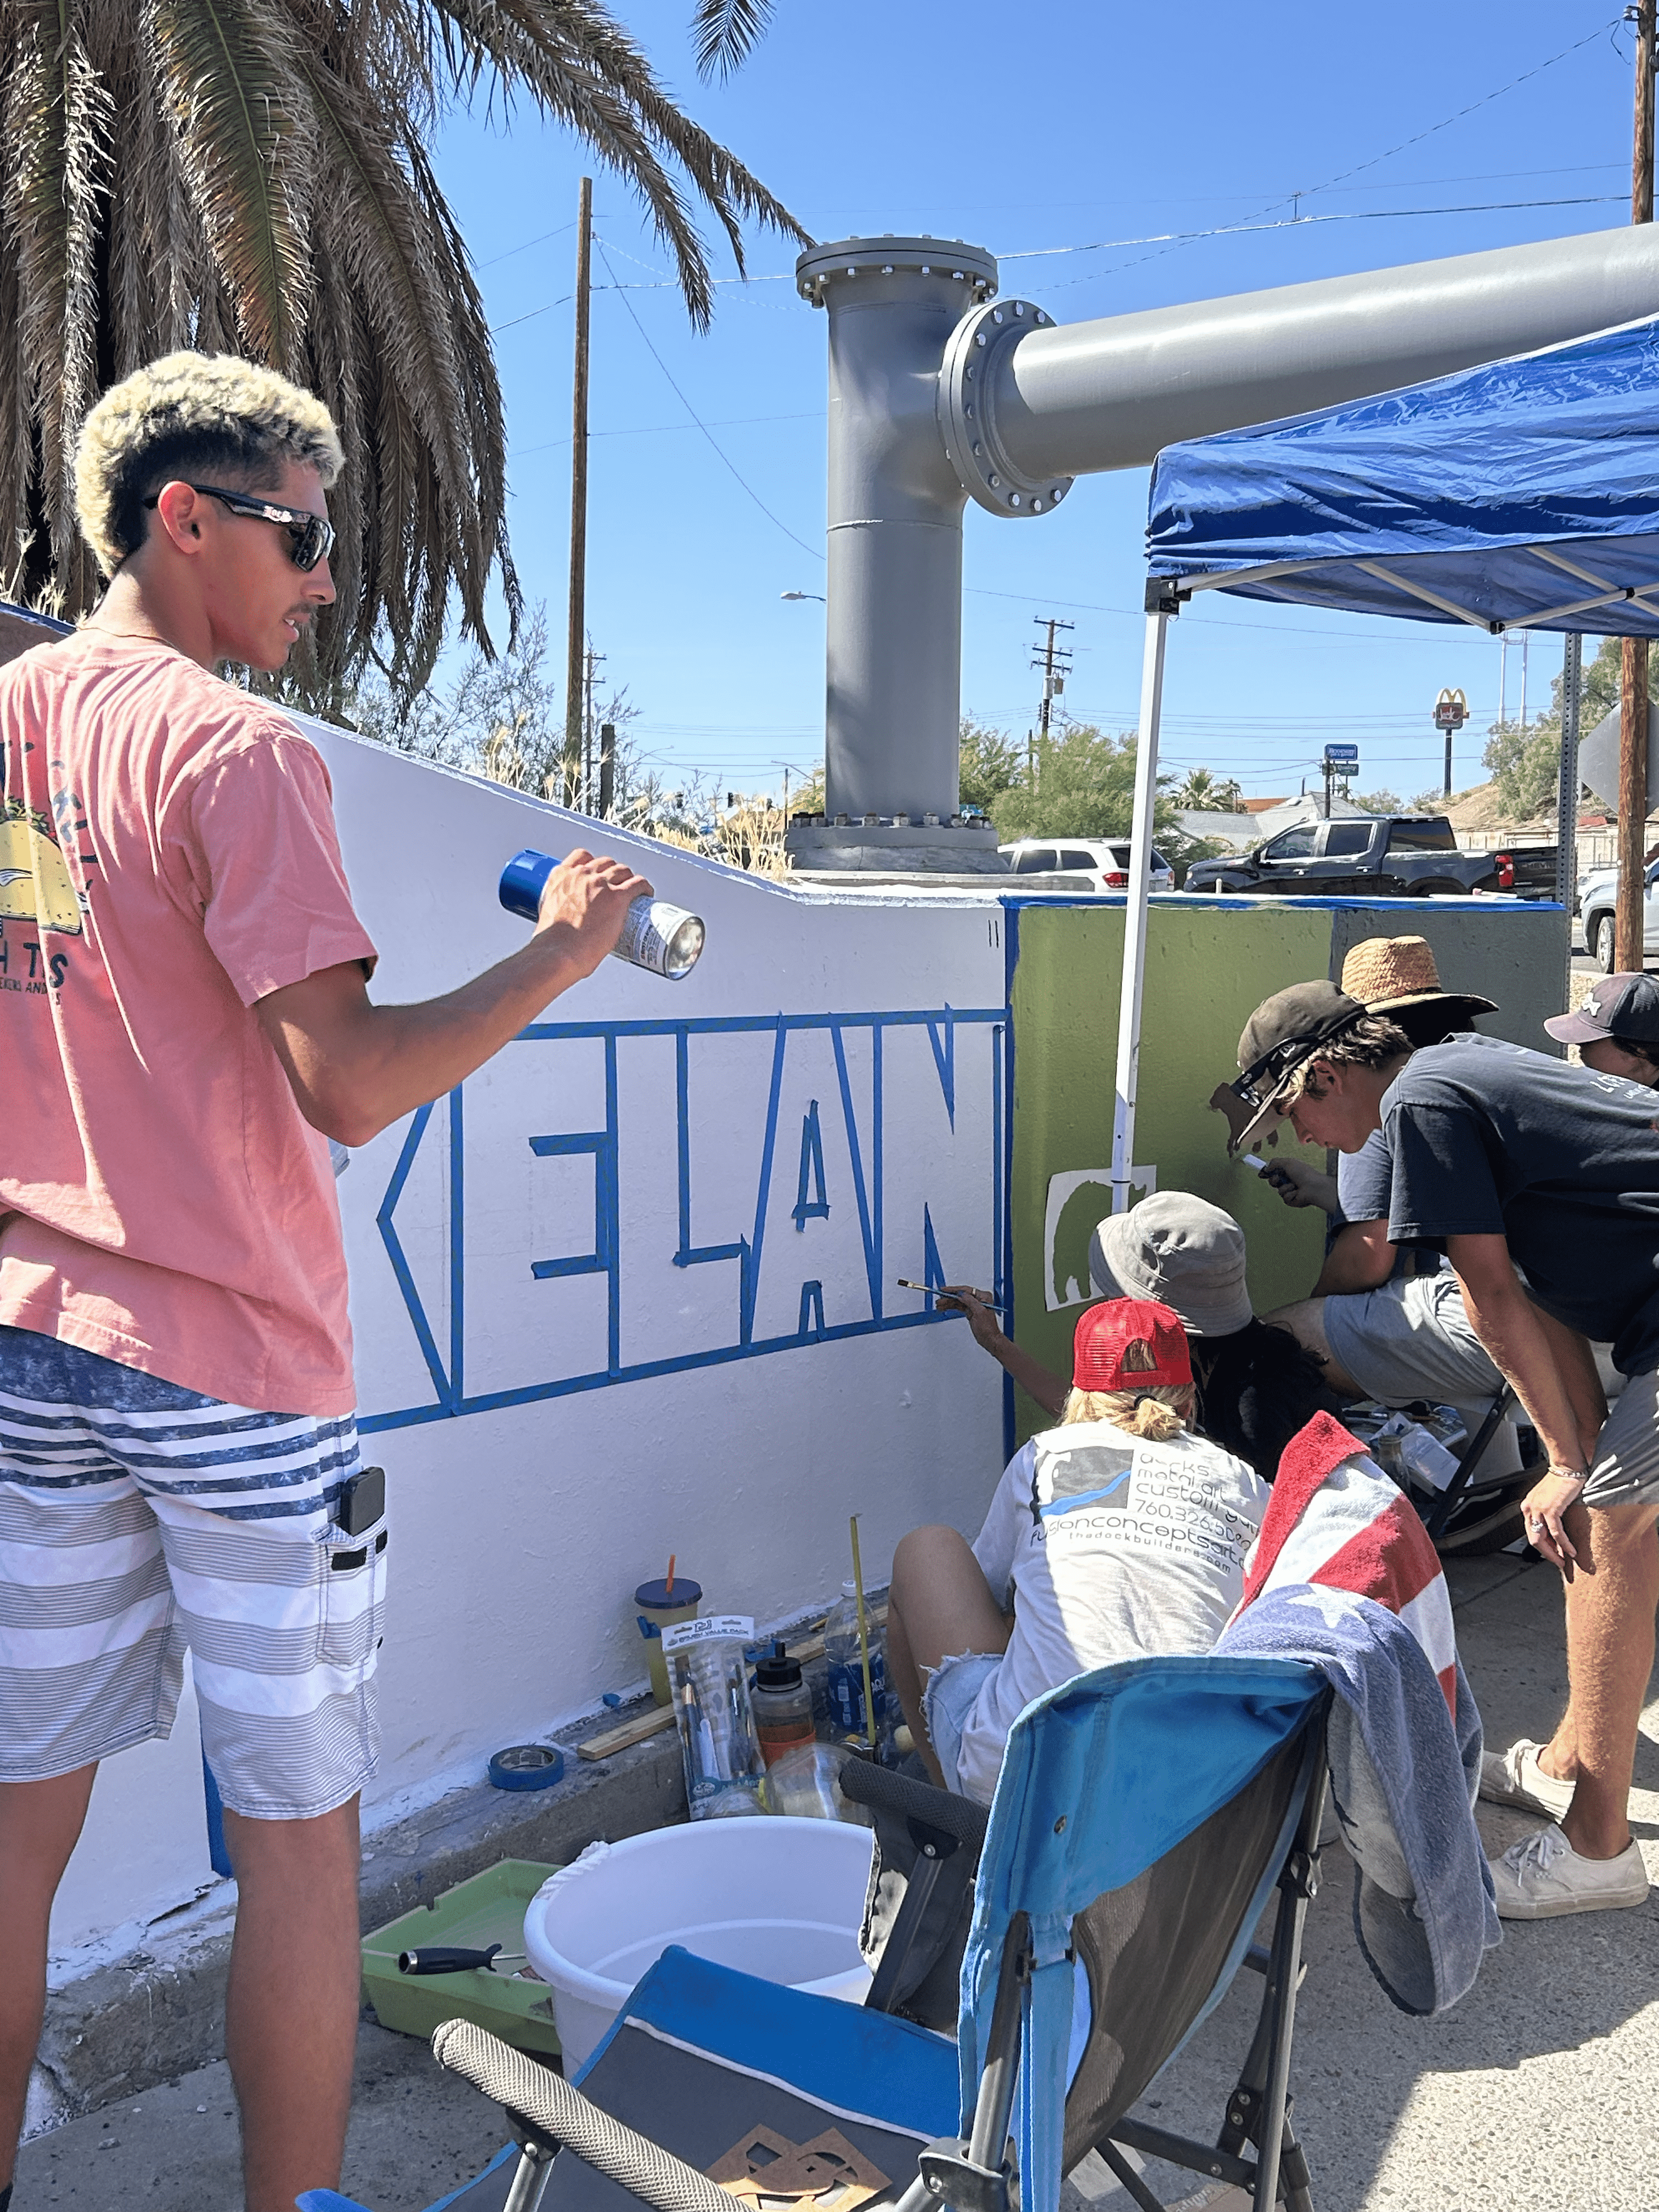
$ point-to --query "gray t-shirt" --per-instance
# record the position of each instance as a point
(1488, 1140)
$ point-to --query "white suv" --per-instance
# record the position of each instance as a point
(1078, 864)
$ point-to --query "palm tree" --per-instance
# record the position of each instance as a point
(252, 176)
(1202, 793)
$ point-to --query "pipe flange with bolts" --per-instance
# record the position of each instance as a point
(967, 410)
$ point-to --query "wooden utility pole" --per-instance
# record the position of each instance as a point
(1633, 659)
(575, 690)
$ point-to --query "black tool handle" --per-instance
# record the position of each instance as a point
(444, 1958)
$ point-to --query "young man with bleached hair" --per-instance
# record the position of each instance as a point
(184, 1023)
(1507, 1159)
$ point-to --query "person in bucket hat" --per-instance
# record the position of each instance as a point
(1387, 1321)
(1117, 1532)
(1255, 1388)
(1511, 1160)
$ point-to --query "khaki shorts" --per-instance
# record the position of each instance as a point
(1625, 1468)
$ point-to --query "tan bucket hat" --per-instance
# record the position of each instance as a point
(1389, 974)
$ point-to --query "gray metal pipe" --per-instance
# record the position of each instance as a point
(893, 645)
(1110, 394)
(939, 390)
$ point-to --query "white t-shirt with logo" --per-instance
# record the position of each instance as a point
(1106, 1545)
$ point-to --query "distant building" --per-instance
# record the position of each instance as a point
(1262, 818)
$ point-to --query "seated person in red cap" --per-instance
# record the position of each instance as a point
(1119, 1531)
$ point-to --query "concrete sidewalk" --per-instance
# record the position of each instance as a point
(1537, 2094)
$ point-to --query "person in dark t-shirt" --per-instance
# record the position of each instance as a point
(1256, 1386)
(1507, 1159)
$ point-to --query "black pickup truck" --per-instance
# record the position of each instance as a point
(1376, 856)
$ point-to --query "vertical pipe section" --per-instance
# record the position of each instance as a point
(893, 629)
(575, 690)
(1135, 909)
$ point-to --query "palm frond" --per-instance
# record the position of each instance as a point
(57, 126)
(727, 32)
(226, 69)
(576, 62)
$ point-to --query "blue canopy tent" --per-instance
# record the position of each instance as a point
(1523, 495)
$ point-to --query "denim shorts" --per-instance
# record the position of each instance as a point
(951, 1695)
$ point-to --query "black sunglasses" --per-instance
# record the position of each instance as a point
(1265, 1075)
(311, 536)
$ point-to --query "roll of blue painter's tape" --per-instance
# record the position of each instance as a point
(528, 1766)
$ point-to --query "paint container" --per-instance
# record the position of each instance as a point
(782, 1704)
(665, 939)
(709, 1678)
(657, 1607)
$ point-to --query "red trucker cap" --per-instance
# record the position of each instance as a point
(1129, 1344)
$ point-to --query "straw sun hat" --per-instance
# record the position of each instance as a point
(1390, 975)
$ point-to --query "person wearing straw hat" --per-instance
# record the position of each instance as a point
(1513, 1161)
(1387, 1321)
(1116, 1532)
(1255, 1387)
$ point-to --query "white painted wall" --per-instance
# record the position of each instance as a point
(532, 1490)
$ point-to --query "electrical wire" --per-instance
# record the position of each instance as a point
(1301, 221)
(815, 552)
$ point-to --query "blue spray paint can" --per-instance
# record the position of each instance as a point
(665, 939)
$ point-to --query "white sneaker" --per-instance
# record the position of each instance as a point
(1542, 1877)
(1515, 1777)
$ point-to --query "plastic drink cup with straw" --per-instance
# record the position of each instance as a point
(657, 1606)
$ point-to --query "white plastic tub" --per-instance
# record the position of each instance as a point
(780, 1898)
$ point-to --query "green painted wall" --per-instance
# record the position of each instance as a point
(1208, 967)
(1206, 971)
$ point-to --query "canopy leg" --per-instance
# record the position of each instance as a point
(1134, 921)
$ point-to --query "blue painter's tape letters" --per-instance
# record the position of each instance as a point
(608, 1201)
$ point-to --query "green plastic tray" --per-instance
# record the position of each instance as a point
(490, 1908)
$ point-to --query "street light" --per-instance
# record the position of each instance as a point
(818, 596)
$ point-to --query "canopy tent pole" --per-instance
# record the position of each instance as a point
(1126, 1080)
(1566, 797)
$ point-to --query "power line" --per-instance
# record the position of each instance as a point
(1301, 222)
(816, 554)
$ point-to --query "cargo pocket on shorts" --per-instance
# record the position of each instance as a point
(353, 1603)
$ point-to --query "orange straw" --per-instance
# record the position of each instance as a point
(669, 1587)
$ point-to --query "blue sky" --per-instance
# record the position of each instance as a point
(1054, 126)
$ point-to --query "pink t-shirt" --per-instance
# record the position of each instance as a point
(168, 856)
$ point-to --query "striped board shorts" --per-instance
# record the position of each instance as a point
(139, 1520)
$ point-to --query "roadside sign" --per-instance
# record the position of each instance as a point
(1451, 710)
(1342, 756)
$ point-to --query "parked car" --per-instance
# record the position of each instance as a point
(1598, 892)
(1082, 864)
(1393, 856)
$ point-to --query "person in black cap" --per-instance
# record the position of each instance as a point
(1617, 1029)
(1385, 1320)
(1510, 1159)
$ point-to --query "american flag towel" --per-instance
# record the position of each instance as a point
(1336, 1521)
(1343, 1577)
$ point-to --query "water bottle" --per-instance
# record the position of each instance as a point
(781, 1703)
(846, 1669)
(665, 939)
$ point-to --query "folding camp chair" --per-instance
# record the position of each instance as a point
(1143, 1816)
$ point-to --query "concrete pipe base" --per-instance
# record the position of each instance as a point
(913, 847)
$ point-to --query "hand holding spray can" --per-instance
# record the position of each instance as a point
(665, 939)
